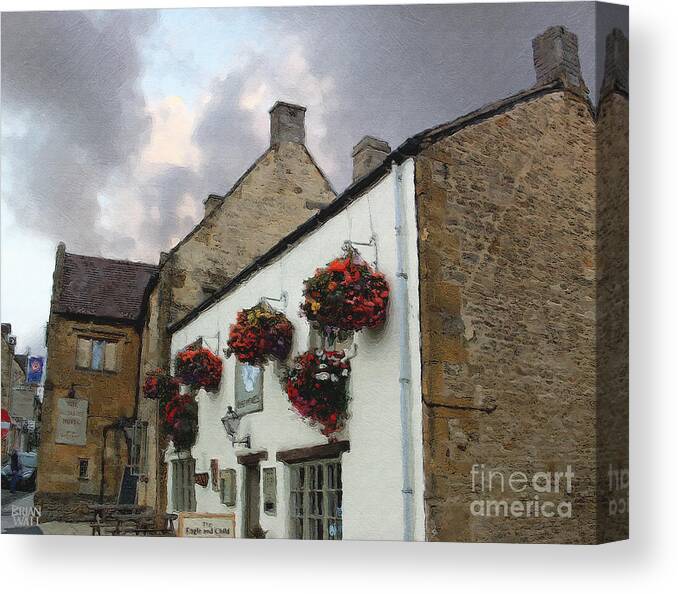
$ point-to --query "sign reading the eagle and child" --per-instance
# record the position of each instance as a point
(71, 425)
(199, 525)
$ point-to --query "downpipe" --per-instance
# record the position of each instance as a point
(405, 372)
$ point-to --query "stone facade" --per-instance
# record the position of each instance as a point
(93, 299)
(506, 213)
(12, 374)
(523, 220)
(110, 396)
(612, 257)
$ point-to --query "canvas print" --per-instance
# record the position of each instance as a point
(329, 273)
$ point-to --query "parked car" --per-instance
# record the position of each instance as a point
(29, 472)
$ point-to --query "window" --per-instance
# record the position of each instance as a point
(183, 484)
(96, 354)
(83, 468)
(315, 500)
(139, 453)
(227, 486)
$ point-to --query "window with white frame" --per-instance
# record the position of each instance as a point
(183, 484)
(315, 500)
(139, 448)
(96, 354)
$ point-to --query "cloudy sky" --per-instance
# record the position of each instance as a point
(117, 124)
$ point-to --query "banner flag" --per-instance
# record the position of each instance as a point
(35, 366)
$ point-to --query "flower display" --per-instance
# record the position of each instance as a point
(199, 368)
(317, 388)
(260, 333)
(346, 295)
(179, 418)
(159, 385)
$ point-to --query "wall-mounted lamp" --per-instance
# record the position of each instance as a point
(231, 423)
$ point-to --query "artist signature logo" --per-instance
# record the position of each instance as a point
(26, 516)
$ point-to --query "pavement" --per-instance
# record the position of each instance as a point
(19, 516)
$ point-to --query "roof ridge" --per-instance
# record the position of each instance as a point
(116, 260)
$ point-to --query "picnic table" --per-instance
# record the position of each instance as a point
(102, 514)
(143, 524)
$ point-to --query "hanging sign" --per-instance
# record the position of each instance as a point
(71, 425)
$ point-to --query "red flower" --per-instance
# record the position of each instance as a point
(347, 295)
(199, 368)
(260, 333)
(317, 388)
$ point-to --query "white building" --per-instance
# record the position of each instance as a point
(366, 471)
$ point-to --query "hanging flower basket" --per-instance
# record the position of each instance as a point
(347, 295)
(199, 368)
(159, 385)
(260, 333)
(179, 419)
(317, 388)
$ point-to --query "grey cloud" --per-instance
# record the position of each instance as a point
(71, 82)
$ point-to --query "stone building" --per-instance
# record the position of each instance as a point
(93, 343)
(277, 193)
(13, 373)
(504, 237)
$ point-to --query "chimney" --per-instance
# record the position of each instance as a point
(287, 123)
(58, 275)
(211, 202)
(367, 155)
(556, 57)
(616, 75)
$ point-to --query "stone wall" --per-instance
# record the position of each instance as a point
(269, 202)
(111, 395)
(506, 216)
(612, 255)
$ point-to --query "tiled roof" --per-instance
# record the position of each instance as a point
(103, 288)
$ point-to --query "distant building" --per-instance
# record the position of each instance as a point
(19, 398)
(93, 344)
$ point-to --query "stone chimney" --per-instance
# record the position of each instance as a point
(616, 75)
(211, 202)
(367, 155)
(556, 57)
(287, 123)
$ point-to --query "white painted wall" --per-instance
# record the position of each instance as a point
(371, 471)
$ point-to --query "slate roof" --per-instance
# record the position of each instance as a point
(103, 288)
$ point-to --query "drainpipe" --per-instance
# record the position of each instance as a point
(403, 304)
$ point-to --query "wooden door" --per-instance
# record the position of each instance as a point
(251, 515)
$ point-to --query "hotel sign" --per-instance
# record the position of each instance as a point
(198, 525)
(71, 425)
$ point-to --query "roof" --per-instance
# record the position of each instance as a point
(411, 147)
(103, 288)
(22, 361)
